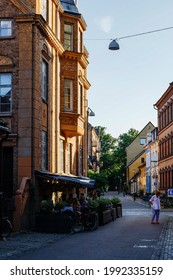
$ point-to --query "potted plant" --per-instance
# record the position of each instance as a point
(52, 221)
(104, 210)
(93, 204)
(116, 202)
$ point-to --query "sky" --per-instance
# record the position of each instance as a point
(125, 84)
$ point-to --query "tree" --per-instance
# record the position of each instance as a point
(113, 155)
(101, 182)
(108, 146)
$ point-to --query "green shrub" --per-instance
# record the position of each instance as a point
(104, 203)
(115, 201)
(46, 206)
(94, 204)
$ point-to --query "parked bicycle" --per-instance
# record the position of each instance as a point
(86, 218)
(5, 227)
(166, 202)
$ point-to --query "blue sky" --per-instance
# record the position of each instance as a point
(126, 83)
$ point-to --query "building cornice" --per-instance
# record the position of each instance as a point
(22, 7)
(77, 56)
(44, 29)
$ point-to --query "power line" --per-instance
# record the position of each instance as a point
(134, 35)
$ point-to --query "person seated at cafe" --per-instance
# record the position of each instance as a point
(75, 204)
(67, 207)
(83, 201)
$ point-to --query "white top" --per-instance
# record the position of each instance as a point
(155, 202)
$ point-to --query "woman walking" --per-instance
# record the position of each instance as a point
(155, 204)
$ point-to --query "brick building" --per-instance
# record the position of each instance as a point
(165, 137)
(43, 98)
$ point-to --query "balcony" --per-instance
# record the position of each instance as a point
(71, 124)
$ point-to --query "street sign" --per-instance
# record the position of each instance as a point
(170, 192)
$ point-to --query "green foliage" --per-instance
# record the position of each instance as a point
(46, 206)
(101, 181)
(104, 203)
(113, 155)
(115, 201)
(94, 204)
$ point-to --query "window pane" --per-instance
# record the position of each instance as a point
(5, 28)
(5, 79)
(44, 9)
(6, 24)
(44, 150)
(68, 94)
(68, 28)
(5, 93)
(44, 80)
(142, 141)
(68, 37)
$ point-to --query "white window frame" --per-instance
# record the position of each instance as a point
(68, 95)
(6, 93)
(68, 37)
(5, 30)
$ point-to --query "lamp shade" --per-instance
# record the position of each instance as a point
(114, 45)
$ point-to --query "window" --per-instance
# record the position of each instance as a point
(44, 9)
(68, 159)
(68, 37)
(62, 156)
(142, 141)
(44, 150)
(81, 161)
(5, 93)
(44, 80)
(80, 41)
(5, 28)
(68, 95)
(80, 100)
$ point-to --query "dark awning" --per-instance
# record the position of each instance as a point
(83, 182)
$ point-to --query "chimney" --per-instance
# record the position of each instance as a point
(76, 2)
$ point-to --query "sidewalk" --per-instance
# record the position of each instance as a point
(19, 243)
(164, 248)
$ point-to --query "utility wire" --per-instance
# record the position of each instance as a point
(135, 35)
(144, 33)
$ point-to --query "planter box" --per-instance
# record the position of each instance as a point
(119, 210)
(114, 213)
(53, 223)
(105, 217)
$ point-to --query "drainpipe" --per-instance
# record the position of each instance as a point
(32, 106)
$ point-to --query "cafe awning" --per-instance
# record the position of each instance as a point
(79, 181)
